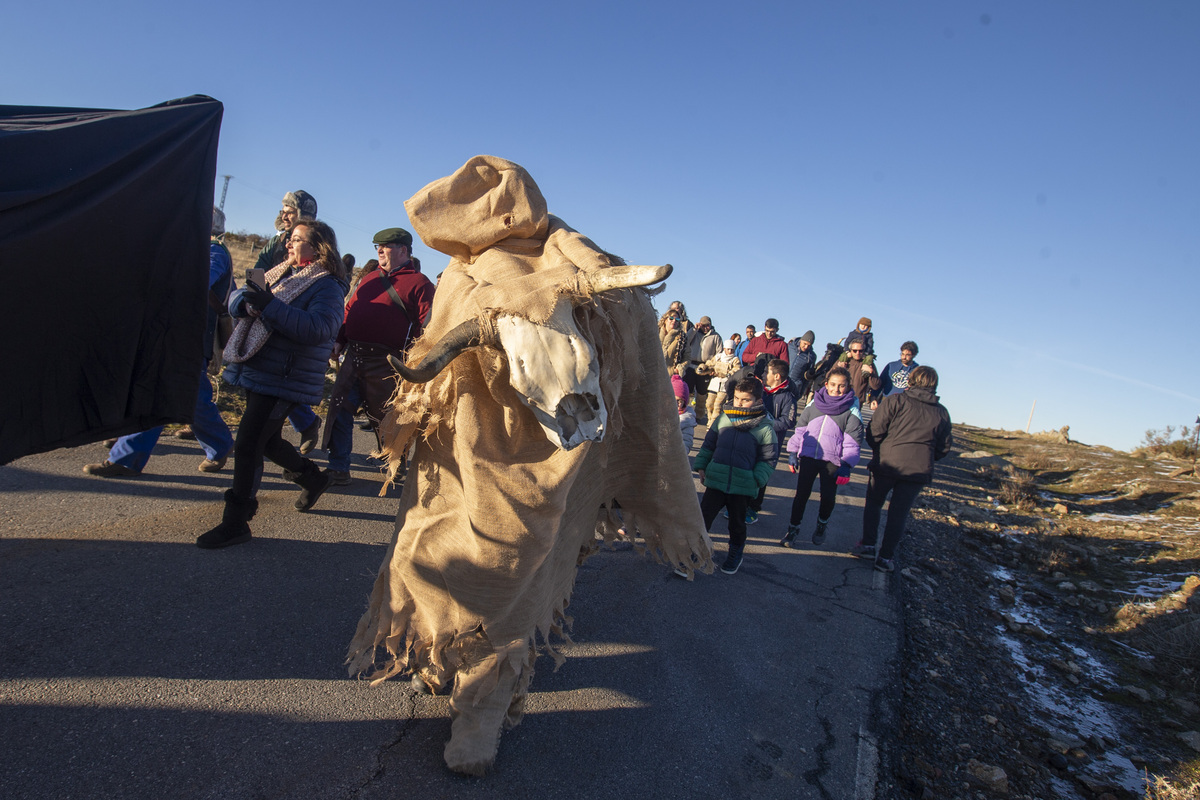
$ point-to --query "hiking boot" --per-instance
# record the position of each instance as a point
(209, 465)
(861, 550)
(313, 483)
(185, 432)
(885, 565)
(233, 528)
(309, 436)
(819, 533)
(732, 562)
(751, 517)
(339, 477)
(109, 443)
(110, 470)
(790, 536)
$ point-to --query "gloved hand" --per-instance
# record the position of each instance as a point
(258, 297)
(793, 461)
(843, 475)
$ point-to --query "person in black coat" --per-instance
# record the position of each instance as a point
(907, 434)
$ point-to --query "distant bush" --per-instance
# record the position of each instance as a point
(1165, 440)
(253, 240)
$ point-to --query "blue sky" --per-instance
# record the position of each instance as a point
(1014, 186)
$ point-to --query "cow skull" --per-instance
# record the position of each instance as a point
(553, 368)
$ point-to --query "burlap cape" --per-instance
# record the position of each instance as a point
(494, 518)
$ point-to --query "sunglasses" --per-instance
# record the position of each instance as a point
(856, 351)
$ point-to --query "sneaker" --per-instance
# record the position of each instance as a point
(885, 565)
(109, 443)
(339, 477)
(751, 517)
(110, 470)
(681, 572)
(819, 533)
(790, 536)
(185, 432)
(732, 562)
(308, 437)
(861, 550)
(208, 465)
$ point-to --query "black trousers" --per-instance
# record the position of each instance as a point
(903, 494)
(806, 474)
(258, 437)
(711, 504)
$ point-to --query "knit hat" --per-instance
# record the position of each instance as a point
(680, 388)
(729, 345)
(809, 337)
(303, 202)
(864, 321)
(704, 321)
(218, 222)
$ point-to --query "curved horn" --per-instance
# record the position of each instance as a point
(463, 337)
(627, 277)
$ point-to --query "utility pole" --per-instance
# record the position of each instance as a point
(1030, 422)
(224, 191)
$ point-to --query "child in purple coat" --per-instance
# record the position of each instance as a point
(827, 442)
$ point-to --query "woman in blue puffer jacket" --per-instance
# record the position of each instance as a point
(278, 353)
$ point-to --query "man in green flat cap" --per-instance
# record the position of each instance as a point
(386, 312)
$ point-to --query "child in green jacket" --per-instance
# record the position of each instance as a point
(735, 461)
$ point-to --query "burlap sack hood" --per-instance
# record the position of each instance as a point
(493, 517)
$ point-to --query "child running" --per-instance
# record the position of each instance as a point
(734, 461)
(827, 443)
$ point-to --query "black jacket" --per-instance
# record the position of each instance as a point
(908, 432)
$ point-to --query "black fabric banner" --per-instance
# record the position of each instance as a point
(104, 229)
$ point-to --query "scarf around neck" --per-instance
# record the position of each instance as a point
(252, 333)
(745, 419)
(828, 404)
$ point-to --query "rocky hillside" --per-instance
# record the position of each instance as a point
(1052, 626)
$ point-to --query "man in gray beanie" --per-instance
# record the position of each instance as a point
(297, 205)
(801, 359)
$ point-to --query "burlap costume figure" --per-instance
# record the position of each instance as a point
(495, 516)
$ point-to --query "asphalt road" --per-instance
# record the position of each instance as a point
(135, 665)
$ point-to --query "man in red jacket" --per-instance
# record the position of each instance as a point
(770, 342)
(388, 309)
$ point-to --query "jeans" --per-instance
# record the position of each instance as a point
(903, 494)
(341, 439)
(212, 433)
(302, 418)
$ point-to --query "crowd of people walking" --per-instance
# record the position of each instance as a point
(302, 309)
(299, 310)
(760, 391)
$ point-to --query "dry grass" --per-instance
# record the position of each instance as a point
(1162, 789)
(1037, 461)
(1017, 488)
